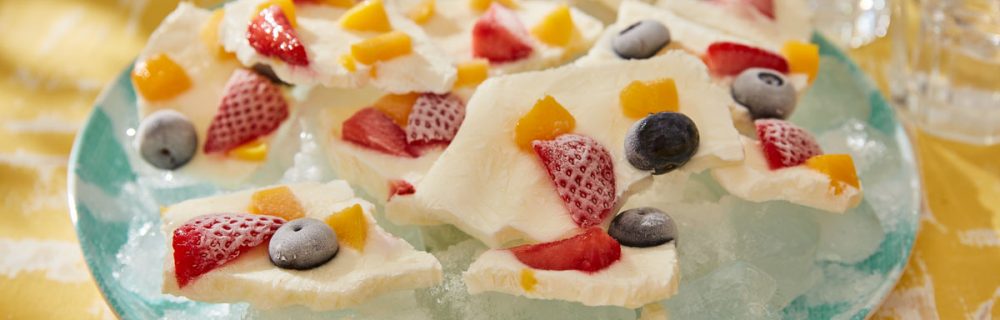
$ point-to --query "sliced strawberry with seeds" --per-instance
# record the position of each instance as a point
(730, 59)
(435, 118)
(499, 36)
(210, 241)
(591, 251)
(581, 169)
(272, 35)
(374, 130)
(252, 107)
(785, 144)
(400, 188)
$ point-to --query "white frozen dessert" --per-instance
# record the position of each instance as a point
(753, 180)
(641, 276)
(788, 20)
(489, 187)
(321, 31)
(369, 262)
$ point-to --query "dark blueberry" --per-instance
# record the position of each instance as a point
(641, 40)
(643, 227)
(166, 139)
(661, 142)
(765, 92)
(303, 244)
(268, 72)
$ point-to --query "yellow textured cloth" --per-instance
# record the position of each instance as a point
(55, 56)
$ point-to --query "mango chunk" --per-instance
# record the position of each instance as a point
(159, 78)
(383, 47)
(471, 73)
(482, 5)
(840, 169)
(252, 151)
(339, 3)
(802, 58)
(422, 12)
(278, 202)
(347, 61)
(528, 280)
(641, 98)
(287, 7)
(557, 28)
(350, 226)
(397, 106)
(545, 121)
(366, 16)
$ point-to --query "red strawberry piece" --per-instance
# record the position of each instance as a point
(591, 251)
(272, 35)
(730, 59)
(400, 188)
(785, 144)
(434, 118)
(499, 36)
(374, 130)
(252, 107)
(210, 241)
(765, 7)
(582, 172)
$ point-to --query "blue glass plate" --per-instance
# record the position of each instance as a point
(110, 199)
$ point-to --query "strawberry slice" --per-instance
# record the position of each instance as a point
(374, 130)
(591, 251)
(499, 36)
(581, 170)
(785, 144)
(434, 119)
(730, 59)
(765, 7)
(252, 107)
(272, 35)
(210, 241)
(400, 188)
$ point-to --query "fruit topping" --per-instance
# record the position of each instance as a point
(471, 73)
(643, 227)
(499, 36)
(556, 28)
(287, 8)
(840, 169)
(802, 58)
(384, 47)
(435, 119)
(422, 12)
(583, 174)
(765, 7)
(159, 78)
(351, 227)
(641, 40)
(590, 251)
(334, 3)
(400, 188)
(366, 16)
(210, 241)
(546, 120)
(730, 59)
(785, 144)
(528, 280)
(642, 98)
(209, 35)
(397, 106)
(303, 244)
(166, 139)
(375, 130)
(482, 5)
(278, 201)
(251, 151)
(252, 107)
(661, 142)
(765, 93)
(347, 61)
(272, 34)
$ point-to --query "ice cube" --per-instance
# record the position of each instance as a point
(737, 290)
(875, 154)
(140, 268)
(439, 238)
(395, 305)
(844, 285)
(834, 97)
(850, 237)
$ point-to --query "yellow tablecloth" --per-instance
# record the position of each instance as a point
(55, 56)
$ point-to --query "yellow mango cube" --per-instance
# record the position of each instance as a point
(546, 120)
(482, 5)
(287, 7)
(159, 78)
(840, 169)
(350, 226)
(397, 106)
(472, 73)
(278, 202)
(383, 47)
(252, 151)
(366, 16)
(339, 3)
(347, 61)
(528, 280)
(641, 98)
(802, 58)
(422, 12)
(557, 28)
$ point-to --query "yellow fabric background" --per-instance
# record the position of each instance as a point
(56, 55)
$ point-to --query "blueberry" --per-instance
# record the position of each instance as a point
(303, 244)
(166, 139)
(661, 142)
(643, 227)
(765, 92)
(641, 40)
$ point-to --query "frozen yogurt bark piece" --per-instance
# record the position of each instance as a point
(768, 22)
